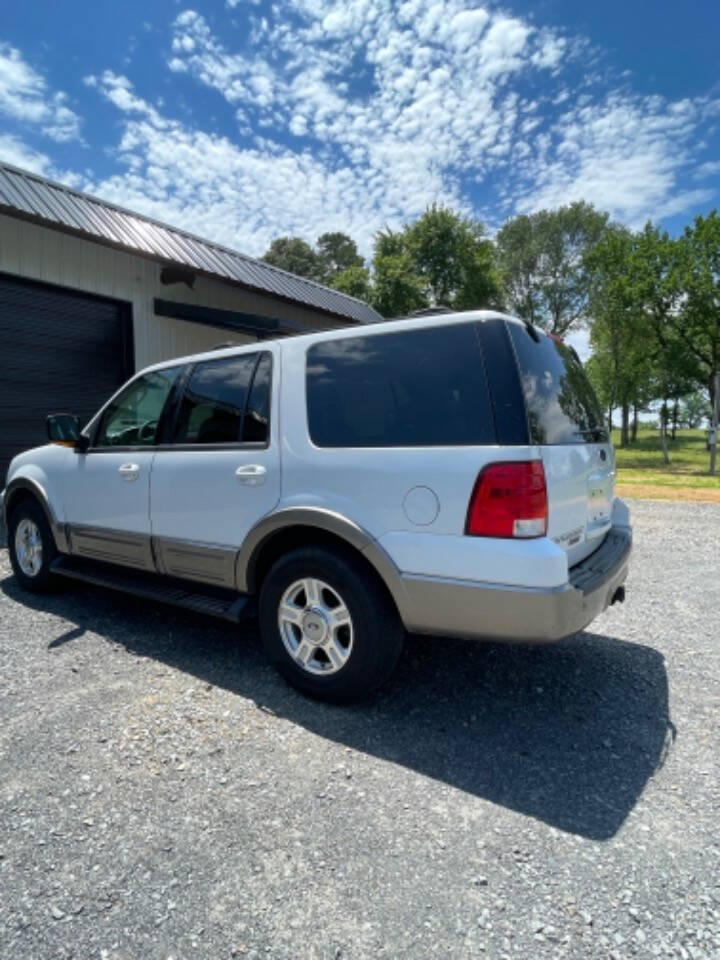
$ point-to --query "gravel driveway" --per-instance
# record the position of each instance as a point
(164, 794)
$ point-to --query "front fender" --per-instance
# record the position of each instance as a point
(29, 478)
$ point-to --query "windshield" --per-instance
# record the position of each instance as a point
(562, 407)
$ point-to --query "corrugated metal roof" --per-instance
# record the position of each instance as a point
(35, 198)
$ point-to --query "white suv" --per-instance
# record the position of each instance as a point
(443, 475)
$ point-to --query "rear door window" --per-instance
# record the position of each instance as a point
(213, 402)
(561, 405)
(419, 387)
(256, 423)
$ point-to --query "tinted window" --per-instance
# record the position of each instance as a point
(561, 405)
(504, 382)
(257, 414)
(212, 405)
(132, 418)
(421, 387)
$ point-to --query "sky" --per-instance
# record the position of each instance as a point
(243, 120)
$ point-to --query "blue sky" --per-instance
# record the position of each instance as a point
(245, 120)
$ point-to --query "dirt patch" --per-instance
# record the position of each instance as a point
(653, 491)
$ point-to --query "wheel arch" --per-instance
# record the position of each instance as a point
(27, 488)
(282, 531)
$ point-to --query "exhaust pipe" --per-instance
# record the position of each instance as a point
(618, 596)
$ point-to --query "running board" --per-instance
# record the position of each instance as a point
(214, 601)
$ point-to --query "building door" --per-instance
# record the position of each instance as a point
(60, 352)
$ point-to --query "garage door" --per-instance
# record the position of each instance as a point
(59, 352)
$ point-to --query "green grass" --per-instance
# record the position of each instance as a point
(642, 461)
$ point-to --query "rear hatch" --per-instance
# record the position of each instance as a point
(565, 421)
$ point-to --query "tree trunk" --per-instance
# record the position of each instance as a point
(635, 423)
(610, 423)
(715, 400)
(624, 431)
(663, 432)
(676, 411)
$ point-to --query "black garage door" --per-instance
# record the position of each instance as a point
(60, 352)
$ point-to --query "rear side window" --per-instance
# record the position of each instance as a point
(215, 398)
(420, 387)
(561, 405)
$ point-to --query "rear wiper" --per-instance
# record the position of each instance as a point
(532, 331)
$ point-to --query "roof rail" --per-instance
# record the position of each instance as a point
(427, 312)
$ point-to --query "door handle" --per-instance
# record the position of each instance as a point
(129, 471)
(252, 475)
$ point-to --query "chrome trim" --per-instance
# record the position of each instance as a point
(28, 483)
(195, 561)
(111, 546)
(181, 447)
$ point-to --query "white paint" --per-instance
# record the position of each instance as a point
(421, 506)
(196, 495)
(527, 563)
(96, 494)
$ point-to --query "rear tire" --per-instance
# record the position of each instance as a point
(31, 547)
(328, 625)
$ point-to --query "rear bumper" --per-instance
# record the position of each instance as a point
(492, 611)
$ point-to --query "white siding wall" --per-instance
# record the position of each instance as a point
(37, 253)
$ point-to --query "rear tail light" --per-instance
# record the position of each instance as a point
(509, 500)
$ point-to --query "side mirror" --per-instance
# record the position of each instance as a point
(64, 429)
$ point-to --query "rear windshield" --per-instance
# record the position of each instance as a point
(562, 407)
(419, 387)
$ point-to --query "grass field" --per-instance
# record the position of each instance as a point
(642, 473)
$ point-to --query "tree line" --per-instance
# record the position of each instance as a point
(650, 301)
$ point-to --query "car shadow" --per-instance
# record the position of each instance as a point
(569, 734)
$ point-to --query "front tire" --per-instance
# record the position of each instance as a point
(327, 624)
(31, 547)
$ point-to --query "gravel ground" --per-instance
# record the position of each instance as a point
(165, 795)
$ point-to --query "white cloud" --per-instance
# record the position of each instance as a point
(241, 197)
(623, 153)
(708, 169)
(25, 97)
(14, 151)
(355, 114)
(238, 78)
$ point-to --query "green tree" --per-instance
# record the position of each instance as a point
(656, 273)
(542, 262)
(441, 259)
(397, 289)
(621, 366)
(339, 253)
(694, 409)
(355, 281)
(697, 276)
(453, 259)
(296, 256)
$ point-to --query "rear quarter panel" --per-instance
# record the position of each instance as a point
(413, 500)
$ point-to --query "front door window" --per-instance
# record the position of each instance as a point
(132, 419)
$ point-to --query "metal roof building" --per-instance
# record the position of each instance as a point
(90, 292)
